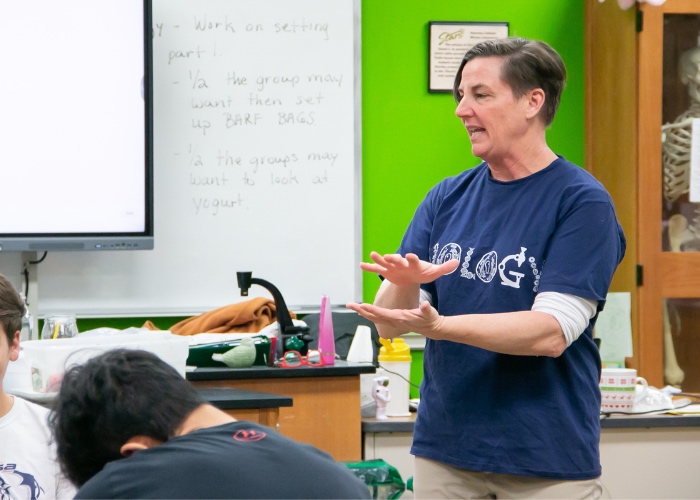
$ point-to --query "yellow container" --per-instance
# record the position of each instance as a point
(395, 360)
(396, 350)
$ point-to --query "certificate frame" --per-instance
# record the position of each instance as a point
(449, 41)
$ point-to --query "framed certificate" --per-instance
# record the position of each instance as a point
(449, 41)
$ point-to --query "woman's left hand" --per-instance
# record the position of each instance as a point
(424, 320)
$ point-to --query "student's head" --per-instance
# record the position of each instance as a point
(112, 398)
(528, 65)
(11, 309)
(11, 312)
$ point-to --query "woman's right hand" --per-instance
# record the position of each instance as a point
(407, 270)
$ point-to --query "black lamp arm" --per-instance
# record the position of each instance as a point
(245, 280)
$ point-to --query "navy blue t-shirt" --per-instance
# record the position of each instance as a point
(553, 231)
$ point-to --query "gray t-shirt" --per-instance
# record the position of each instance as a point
(235, 460)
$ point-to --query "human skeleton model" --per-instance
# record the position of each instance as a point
(676, 157)
(380, 393)
(677, 136)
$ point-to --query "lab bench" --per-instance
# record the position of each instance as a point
(325, 410)
(256, 407)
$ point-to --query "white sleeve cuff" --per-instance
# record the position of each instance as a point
(573, 313)
(425, 296)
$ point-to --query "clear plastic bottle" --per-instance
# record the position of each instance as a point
(27, 332)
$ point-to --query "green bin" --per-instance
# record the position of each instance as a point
(382, 479)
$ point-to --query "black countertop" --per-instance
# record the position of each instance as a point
(649, 421)
(392, 424)
(405, 424)
(339, 369)
(226, 398)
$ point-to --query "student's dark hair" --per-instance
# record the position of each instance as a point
(11, 309)
(529, 64)
(111, 398)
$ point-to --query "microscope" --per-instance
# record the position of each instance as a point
(291, 338)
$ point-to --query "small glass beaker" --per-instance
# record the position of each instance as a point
(59, 327)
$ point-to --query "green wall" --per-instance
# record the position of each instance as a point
(416, 373)
(411, 138)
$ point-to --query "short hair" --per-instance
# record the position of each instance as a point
(11, 309)
(110, 399)
(529, 64)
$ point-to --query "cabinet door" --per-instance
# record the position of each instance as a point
(668, 194)
(610, 40)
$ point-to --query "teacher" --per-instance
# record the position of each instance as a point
(504, 269)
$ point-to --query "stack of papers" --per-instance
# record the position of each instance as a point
(693, 409)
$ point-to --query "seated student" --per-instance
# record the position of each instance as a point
(28, 467)
(127, 425)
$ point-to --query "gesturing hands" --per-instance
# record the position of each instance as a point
(423, 319)
(407, 270)
(396, 313)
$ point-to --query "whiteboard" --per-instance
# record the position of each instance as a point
(257, 165)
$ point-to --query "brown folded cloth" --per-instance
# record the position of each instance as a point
(250, 316)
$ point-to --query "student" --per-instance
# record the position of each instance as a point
(28, 468)
(127, 425)
(504, 268)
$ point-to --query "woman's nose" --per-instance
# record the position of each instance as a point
(463, 108)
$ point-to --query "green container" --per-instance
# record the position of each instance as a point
(383, 480)
(200, 355)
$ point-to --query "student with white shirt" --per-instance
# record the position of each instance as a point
(28, 466)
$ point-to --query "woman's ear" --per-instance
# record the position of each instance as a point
(138, 443)
(535, 101)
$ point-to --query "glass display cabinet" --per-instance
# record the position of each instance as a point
(643, 144)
